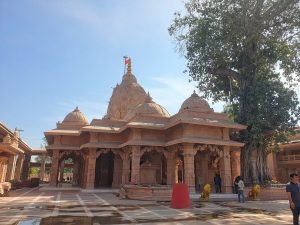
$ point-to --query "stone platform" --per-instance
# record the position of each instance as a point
(28, 206)
(146, 192)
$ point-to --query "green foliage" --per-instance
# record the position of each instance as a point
(34, 171)
(246, 52)
(68, 170)
(39, 159)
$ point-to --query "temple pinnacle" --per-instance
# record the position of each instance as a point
(129, 66)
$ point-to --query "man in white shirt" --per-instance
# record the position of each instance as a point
(241, 186)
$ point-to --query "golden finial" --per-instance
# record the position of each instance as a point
(129, 66)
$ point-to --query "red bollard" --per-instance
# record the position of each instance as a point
(180, 197)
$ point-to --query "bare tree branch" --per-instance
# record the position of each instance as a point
(224, 72)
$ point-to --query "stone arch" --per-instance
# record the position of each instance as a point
(70, 169)
(206, 164)
(153, 166)
(108, 169)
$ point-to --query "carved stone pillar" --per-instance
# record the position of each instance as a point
(76, 179)
(54, 168)
(19, 167)
(42, 169)
(135, 164)
(3, 169)
(61, 171)
(118, 167)
(91, 167)
(10, 174)
(225, 171)
(189, 172)
(126, 168)
(171, 170)
(26, 165)
(235, 164)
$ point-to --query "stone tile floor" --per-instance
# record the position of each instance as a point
(34, 207)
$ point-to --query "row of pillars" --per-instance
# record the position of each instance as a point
(16, 167)
(189, 172)
(12, 169)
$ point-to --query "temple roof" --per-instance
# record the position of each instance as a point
(125, 96)
(75, 117)
(11, 142)
(130, 110)
(105, 144)
(73, 120)
(196, 103)
(148, 108)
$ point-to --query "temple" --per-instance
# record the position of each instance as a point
(287, 161)
(139, 142)
(15, 156)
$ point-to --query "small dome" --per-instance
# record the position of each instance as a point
(195, 102)
(148, 108)
(75, 118)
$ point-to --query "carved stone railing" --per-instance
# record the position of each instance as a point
(289, 157)
(278, 186)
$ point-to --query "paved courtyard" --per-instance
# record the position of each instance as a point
(33, 207)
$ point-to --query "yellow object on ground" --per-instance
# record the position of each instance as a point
(254, 192)
(206, 192)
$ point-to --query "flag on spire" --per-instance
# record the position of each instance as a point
(126, 59)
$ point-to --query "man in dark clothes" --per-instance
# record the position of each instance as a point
(217, 181)
(293, 192)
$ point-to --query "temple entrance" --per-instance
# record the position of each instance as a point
(201, 170)
(70, 172)
(104, 170)
(206, 166)
(153, 168)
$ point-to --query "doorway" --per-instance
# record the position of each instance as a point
(104, 170)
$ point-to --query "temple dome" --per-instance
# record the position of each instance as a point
(195, 103)
(75, 118)
(148, 108)
(125, 96)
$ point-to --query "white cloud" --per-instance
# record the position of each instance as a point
(132, 18)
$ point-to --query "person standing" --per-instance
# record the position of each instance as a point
(293, 193)
(240, 188)
(235, 184)
(217, 181)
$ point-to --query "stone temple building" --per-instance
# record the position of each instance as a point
(139, 142)
(287, 161)
(15, 155)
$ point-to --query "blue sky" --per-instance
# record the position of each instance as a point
(59, 54)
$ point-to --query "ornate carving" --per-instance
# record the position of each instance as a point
(7, 139)
(145, 149)
(215, 153)
(107, 150)
(69, 153)
(176, 148)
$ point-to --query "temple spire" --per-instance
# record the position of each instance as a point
(129, 65)
(148, 98)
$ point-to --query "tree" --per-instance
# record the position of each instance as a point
(34, 171)
(40, 158)
(246, 52)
